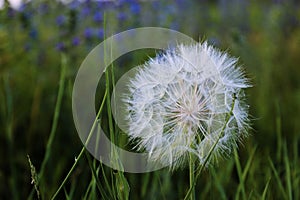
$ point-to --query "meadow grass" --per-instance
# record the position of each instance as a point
(110, 184)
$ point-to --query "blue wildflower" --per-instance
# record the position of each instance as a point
(33, 33)
(60, 46)
(43, 8)
(21, 7)
(85, 11)
(61, 20)
(74, 4)
(100, 33)
(122, 16)
(88, 33)
(98, 17)
(135, 7)
(75, 41)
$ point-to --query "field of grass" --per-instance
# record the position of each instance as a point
(42, 46)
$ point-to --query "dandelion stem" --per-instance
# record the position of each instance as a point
(199, 171)
(192, 176)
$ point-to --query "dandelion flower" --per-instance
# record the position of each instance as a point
(188, 100)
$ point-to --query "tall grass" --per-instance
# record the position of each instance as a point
(109, 184)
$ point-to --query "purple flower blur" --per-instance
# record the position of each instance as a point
(61, 20)
(122, 16)
(135, 7)
(43, 8)
(60, 46)
(88, 33)
(75, 41)
(74, 4)
(98, 17)
(100, 33)
(85, 11)
(33, 33)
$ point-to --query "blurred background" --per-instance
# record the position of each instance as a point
(36, 35)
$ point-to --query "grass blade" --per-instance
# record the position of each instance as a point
(218, 185)
(288, 172)
(241, 186)
(122, 186)
(266, 189)
(95, 176)
(82, 150)
(56, 114)
(281, 188)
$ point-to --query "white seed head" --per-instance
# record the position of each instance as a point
(185, 101)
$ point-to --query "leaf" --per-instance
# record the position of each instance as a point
(122, 186)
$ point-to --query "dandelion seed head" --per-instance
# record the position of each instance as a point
(185, 101)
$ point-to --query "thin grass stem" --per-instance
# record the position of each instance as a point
(56, 114)
(82, 150)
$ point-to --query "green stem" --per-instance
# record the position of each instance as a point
(55, 120)
(69, 173)
(192, 176)
(56, 114)
(82, 150)
(192, 187)
(9, 135)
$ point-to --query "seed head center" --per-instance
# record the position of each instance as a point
(188, 110)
